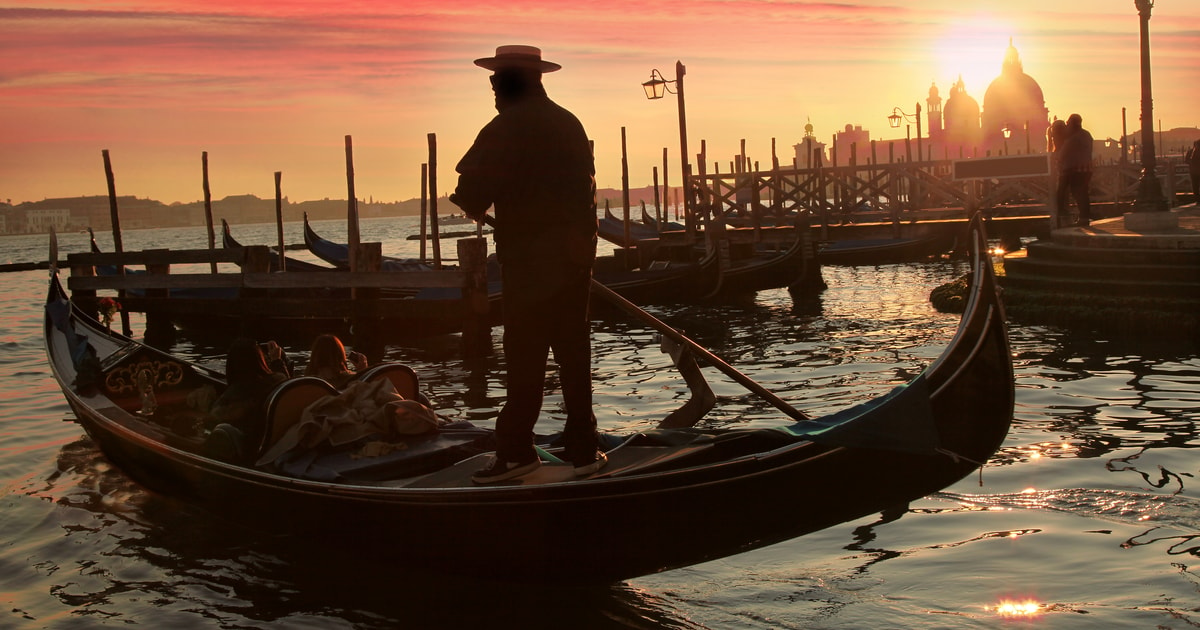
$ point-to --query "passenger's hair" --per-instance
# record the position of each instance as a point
(327, 353)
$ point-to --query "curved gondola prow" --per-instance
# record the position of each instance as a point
(335, 254)
(983, 303)
(227, 240)
(971, 384)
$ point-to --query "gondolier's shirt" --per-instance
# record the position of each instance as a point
(533, 163)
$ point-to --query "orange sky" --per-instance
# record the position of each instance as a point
(267, 86)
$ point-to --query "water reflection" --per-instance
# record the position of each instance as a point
(1102, 451)
(1122, 464)
(198, 569)
(1177, 545)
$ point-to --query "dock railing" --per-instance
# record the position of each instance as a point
(894, 192)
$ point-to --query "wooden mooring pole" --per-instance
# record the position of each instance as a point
(352, 237)
(115, 219)
(279, 219)
(208, 216)
(667, 190)
(433, 211)
(476, 325)
(424, 208)
(658, 209)
(625, 196)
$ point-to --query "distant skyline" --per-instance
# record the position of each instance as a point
(275, 86)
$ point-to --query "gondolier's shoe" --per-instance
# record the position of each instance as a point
(587, 468)
(501, 470)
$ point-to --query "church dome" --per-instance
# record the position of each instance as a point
(1013, 99)
(960, 109)
(1013, 89)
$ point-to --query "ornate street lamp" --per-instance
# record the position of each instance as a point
(658, 87)
(1149, 193)
(899, 115)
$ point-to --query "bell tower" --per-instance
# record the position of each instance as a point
(933, 108)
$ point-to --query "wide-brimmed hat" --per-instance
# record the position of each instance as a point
(517, 57)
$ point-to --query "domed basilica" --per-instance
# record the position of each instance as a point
(1012, 102)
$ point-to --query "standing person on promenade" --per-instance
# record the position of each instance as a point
(1075, 169)
(1192, 157)
(533, 162)
(1062, 194)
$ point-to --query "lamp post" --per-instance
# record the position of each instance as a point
(899, 115)
(1124, 142)
(1007, 131)
(1149, 193)
(656, 88)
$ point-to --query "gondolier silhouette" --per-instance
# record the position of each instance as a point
(533, 163)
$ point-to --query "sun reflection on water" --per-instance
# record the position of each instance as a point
(1014, 609)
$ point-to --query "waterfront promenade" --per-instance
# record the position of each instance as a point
(1108, 275)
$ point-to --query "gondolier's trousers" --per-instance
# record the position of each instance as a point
(546, 308)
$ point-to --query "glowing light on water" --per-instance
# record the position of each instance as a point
(1018, 609)
(1048, 450)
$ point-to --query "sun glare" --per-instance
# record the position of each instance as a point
(973, 49)
(1010, 609)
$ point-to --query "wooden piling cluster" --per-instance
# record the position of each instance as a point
(258, 299)
(862, 187)
(363, 301)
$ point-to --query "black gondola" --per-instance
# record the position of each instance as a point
(668, 498)
(289, 263)
(885, 251)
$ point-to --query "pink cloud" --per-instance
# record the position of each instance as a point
(251, 74)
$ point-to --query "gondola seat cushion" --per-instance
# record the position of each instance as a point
(359, 426)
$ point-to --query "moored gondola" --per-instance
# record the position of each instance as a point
(289, 263)
(885, 251)
(641, 514)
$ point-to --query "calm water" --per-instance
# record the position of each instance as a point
(1090, 511)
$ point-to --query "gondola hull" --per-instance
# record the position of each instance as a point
(885, 251)
(673, 282)
(738, 491)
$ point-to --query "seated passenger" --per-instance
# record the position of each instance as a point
(250, 376)
(328, 361)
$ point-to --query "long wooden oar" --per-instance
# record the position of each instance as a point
(615, 298)
(619, 301)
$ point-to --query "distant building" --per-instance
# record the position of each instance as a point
(1014, 101)
(38, 220)
(1013, 118)
(959, 134)
(810, 152)
(849, 144)
(957, 127)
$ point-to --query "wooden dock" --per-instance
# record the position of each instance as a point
(370, 304)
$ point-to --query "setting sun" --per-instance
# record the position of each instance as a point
(973, 49)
